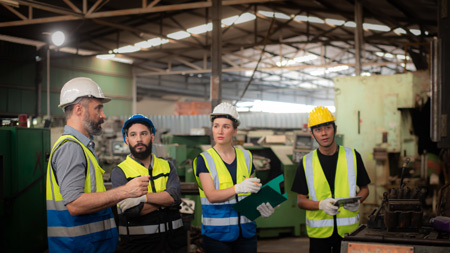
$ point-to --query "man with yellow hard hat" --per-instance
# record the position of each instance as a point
(325, 175)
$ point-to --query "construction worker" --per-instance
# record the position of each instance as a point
(151, 222)
(325, 175)
(78, 215)
(223, 175)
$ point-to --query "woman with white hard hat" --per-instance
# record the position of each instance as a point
(223, 174)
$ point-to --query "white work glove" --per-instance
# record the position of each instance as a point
(352, 206)
(248, 185)
(131, 202)
(265, 209)
(327, 205)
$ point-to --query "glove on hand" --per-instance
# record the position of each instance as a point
(265, 209)
(352, 206)
(132, 202)
(248, 185)
(327, 205)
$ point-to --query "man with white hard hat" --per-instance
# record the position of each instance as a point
(79, 217)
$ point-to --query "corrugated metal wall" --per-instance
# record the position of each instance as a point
(21, 72)
(183, 124)
(17, 79)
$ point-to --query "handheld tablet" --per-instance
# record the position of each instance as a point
(342, 201)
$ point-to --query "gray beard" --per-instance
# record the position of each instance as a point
(93, 128)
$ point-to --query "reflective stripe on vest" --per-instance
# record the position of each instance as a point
(94, 227)
(320, 224)
(149, 229)
(225, 221)
(67, 233)
(219, 220)
(329, 222)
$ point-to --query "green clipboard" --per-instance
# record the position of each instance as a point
(269, 192)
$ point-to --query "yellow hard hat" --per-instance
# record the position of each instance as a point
(320, 115)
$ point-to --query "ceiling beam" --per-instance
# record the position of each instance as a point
(179, 72)
(73, 15)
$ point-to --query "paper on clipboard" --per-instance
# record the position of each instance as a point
(269, 192)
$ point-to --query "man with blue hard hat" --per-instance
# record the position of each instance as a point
(152, 221)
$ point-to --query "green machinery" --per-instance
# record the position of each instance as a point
(182, 150)
(23, 165)
(288, 218)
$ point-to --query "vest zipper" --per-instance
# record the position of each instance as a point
(239, 217)
(150, 172)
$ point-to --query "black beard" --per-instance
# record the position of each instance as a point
(141, 155)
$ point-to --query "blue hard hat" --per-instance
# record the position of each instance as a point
(137, 118)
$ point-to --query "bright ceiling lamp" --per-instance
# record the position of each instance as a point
(337, 22)
(105, 56)
(58, 38)
(415, 31)
(374, 27)
(229, 21)
(178, 35)
(300, 59)
(350, 24)
(157, 41)
(270, 14)
(317, 72)
(200, 29)
(309, 19)
(245, 18)
(126, 49)
(296, 60)
(320, 72)
(238, 19)
(143, 44)
(113, 57)
(122, 60)
(338, 68)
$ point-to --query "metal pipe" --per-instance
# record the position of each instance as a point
(48, 82)
(358, 37)
(435, 89)
(134, 93)
(216, 54)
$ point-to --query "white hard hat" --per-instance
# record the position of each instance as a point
(80, 87)
(226, 109)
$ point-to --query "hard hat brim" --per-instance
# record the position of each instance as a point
(103, 99)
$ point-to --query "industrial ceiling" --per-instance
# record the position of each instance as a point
(273, 50)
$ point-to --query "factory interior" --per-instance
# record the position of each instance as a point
(379, 66)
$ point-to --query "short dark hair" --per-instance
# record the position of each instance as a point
(139, 122)
(235, 122)
(68, 110)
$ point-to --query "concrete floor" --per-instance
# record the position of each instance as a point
(284, 244)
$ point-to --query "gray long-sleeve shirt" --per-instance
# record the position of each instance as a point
(118, 178)
(69, 164)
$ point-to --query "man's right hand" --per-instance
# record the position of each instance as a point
(137, 187)
(327, 205)
(131, 202)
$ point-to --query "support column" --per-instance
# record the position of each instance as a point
(216, 54)
(134, 93)
(359, 42)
